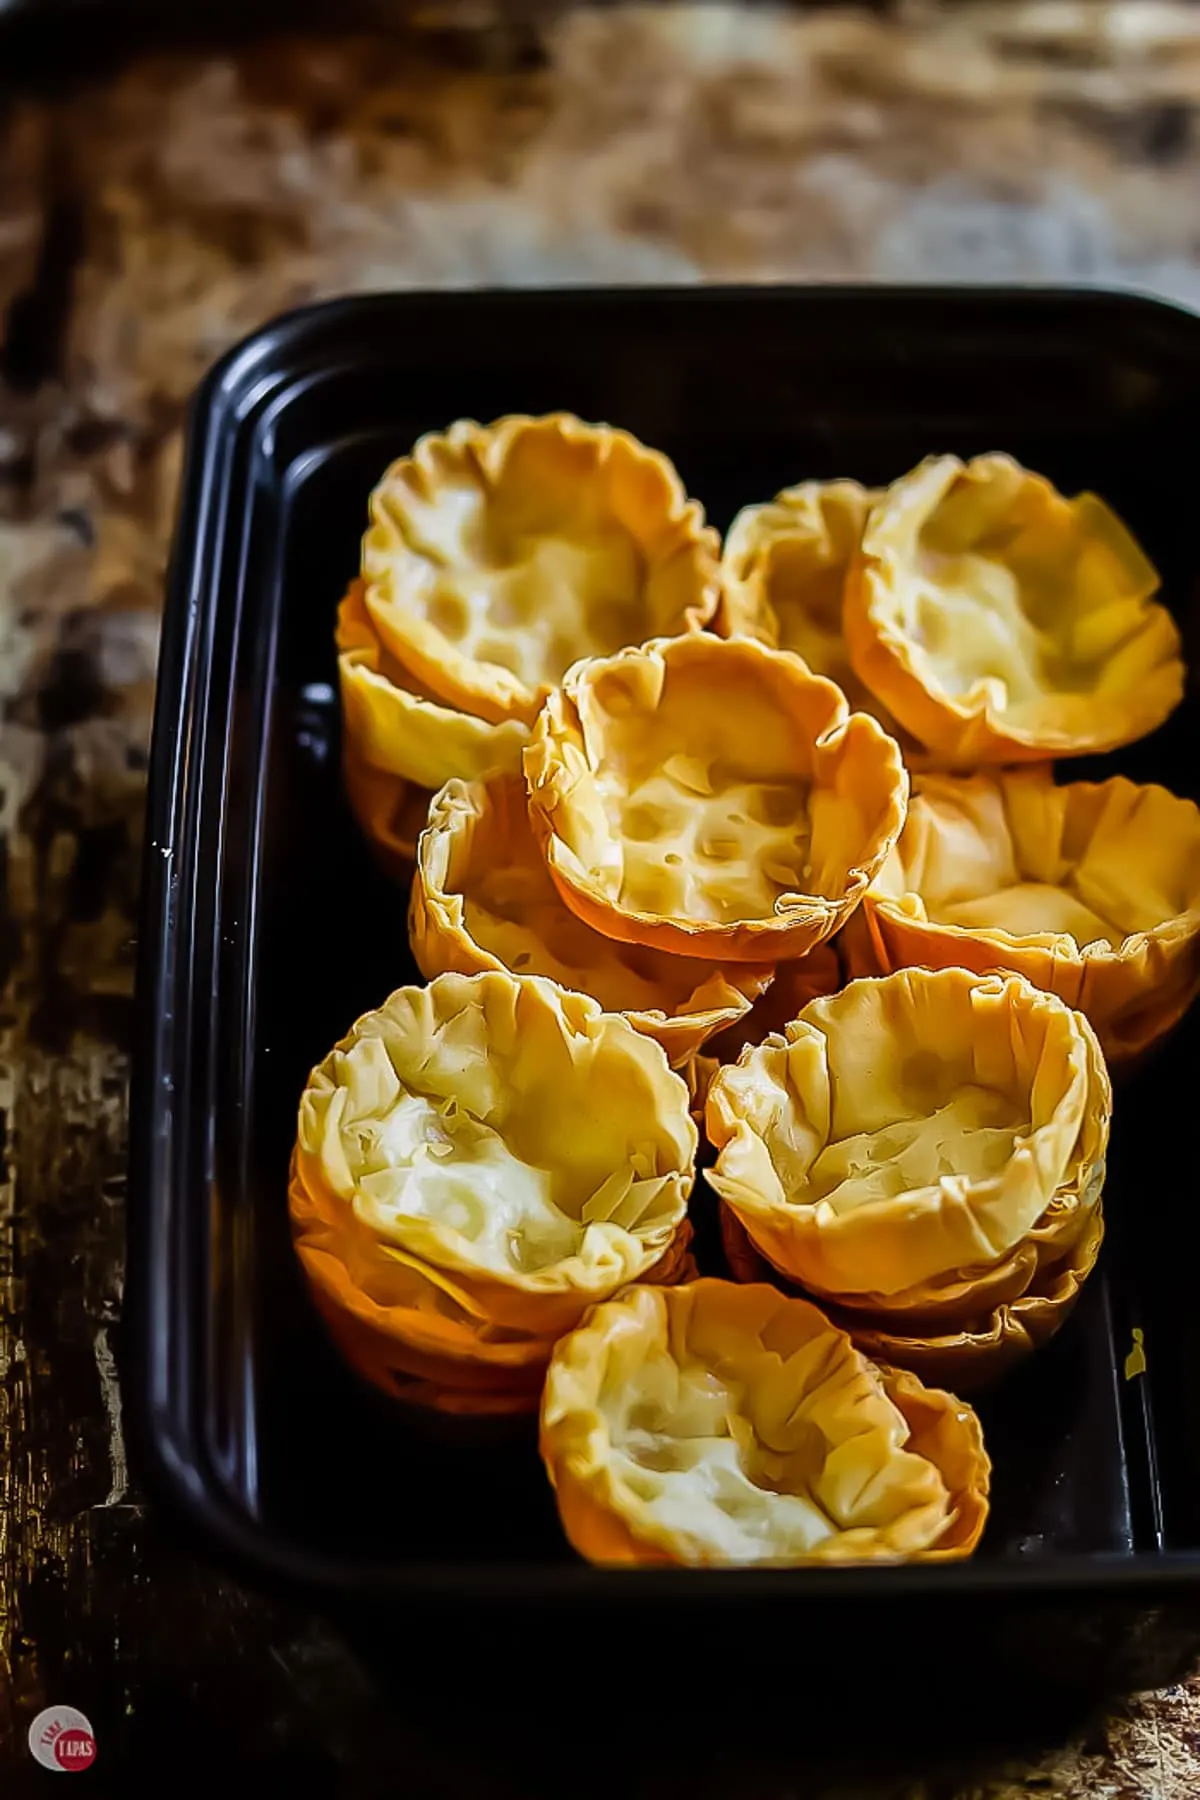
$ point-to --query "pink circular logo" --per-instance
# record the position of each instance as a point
(62, 1739)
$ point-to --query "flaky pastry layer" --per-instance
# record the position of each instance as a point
(414, 1330)
(907, 1128)
(711, 797)
(482, 898)
(1090, 890)
(784, 568)
(515, 1142)
(1001, 622)
(392, 722)
(966, 1329)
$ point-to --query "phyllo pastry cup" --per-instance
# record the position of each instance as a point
(1002, 623)
(1090, 890)
(967, 1329)
(499, 555)
(711, 797)
(720, 1424)
(482, 899)
(908, 1128)
(784, 568)
(481, 1159)
(398, 738)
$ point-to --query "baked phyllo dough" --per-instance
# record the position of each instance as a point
(391, 813)
(711, 797)
(399, 744)
(410, 1328)
(783, 572)
(482, 899)
(393, 723)
(499, 555)
(525, 1151)
(1091, 890)
(966, 1329)
(720, 1424)
(908, 1128)
(413, 1329)
(1002, 623)
(783, 578)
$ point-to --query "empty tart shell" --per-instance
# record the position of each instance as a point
(711, 797)
(797, 982)
(970, 1328)
(715, 1424)
(1090, 890)
(498, 555)
(1003, 623)
(908, 1128)
(526, 1150)
(783, 574)
(784, 568)
(482, 899)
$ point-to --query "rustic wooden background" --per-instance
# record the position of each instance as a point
(154, 209)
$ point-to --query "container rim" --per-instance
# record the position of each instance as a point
(164, 1452)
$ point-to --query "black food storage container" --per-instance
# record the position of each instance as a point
(267, 930)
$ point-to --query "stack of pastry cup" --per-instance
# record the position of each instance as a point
(495, 557)
(477, 1163)
(692, 811)
(482, 898)
(1089, 889)
(400, 741)
(988, 621)
(925, 1154)
(983, 617)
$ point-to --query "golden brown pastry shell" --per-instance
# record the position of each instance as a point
(942, 1429)
(1003, 623)
(393, 722)
(996, 1319)
(480, 1054)
(486, 532)
(640, 747)
(783, 574)
(784, 568)
(482, 899)
(1132, 993)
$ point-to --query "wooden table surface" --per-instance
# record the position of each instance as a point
(150, 214)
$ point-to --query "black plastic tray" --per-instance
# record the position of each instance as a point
(267, 930)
